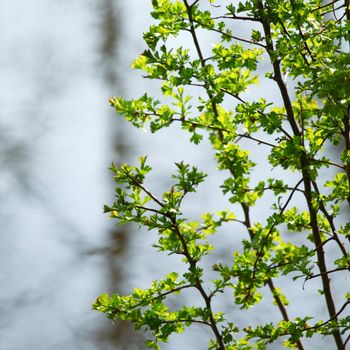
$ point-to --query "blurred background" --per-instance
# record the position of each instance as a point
(61, 60)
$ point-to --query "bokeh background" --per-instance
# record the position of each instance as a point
(60, 62)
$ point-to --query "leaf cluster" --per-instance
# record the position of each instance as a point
(305, 45)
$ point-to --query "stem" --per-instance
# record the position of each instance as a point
(306, 46)
(233, 36)
(325, 5)
(198, 284)
(280, 305)
(270, 283)
(289, 37)
(346, 136)
(162, 295)
(331, 319)
(327, 272)
(199, 52)
(346, 341)
(347, 116)
(321, 261)
(240, 18)
(189, 320)
(217, 128)
(305, 173)
(277, 69)
(330, 221)
(193, 265)
(155, 199)
(261, 251)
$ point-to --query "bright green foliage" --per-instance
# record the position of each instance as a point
(306, 45)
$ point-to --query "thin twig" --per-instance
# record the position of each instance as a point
(260, 252)
(325, 5)
(330, 220)
(310, 277)
(146, 191)
(184, 321)
(241, 18)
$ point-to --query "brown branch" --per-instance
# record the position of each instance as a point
(236, 96)
(279, 302)
(323, 243)
(306, 46)
(145, 190)
(192, 262)
(334, 317)
(330, 220)
(346, 137)
(310, 277)
(321, 261)
(276, 188)
(289, 37)
(317, 326)
(162, 295)
(264, 19)
(177, 289)
(234, 17)
(270, 283)
(199, 52)
(149, 209)
(325, 5)
(305, 329)
(184, 321)
(251, 42)
(198, 285)
(217, 128)
(193, 4)
(346, 341)
(329, 163)
(262, 247)
(304, 169)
